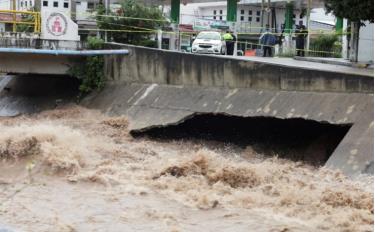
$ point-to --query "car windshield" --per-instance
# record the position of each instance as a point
(209, 35)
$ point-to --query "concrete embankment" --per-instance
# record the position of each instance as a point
(160, 88)
(144, 65)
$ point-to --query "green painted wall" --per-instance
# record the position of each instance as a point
(232, 10)
(175, 11)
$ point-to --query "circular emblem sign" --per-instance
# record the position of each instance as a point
(57, 24)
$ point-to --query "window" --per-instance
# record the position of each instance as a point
(55, 4)
(21, 4)
(30, 3)
(214, 12)
(258, 13)
(66, 5)
(78, 3)
(221, 11)
(242, 18)
(45, 3)
(25, 3)
(214, 17)
(250, 12)
(90, 5)
(250, 19)
(301, 16)
(258, 19)
(221, 17)
(242, 12)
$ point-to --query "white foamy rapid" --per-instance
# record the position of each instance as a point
(74, 169)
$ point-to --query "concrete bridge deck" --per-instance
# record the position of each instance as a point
(45, 61)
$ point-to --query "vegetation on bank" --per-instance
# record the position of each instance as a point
(90, 73)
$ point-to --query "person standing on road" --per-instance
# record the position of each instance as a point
(229, 43)
(300, 39)
(234, 41)
(267, 40)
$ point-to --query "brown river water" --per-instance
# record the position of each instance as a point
(75, 169)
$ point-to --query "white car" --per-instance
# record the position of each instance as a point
(209, 42)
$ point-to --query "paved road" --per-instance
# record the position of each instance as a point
(310, 65)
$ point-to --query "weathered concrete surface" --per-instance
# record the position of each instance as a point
(145, 65)
(153, 105)
(37, 64)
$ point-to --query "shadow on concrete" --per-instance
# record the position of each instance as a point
(295, 139)
(34, 93)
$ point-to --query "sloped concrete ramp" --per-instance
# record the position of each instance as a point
(152, 105)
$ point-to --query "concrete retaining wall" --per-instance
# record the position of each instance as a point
(152, 105)
(145, 65)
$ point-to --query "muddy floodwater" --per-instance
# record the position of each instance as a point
(74, 169)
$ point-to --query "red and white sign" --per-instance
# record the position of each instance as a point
(57, 24)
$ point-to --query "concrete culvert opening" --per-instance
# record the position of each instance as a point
(33, 93)
(296, 139)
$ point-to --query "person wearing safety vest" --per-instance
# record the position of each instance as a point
(229, 41)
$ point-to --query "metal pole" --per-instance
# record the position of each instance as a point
(14, 17)
(106, 12)
(262, 16)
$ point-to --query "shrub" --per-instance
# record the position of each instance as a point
(90, 73)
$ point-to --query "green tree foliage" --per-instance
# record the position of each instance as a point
(135, 14)
(91, 73)
(354, 10)
(328, 43)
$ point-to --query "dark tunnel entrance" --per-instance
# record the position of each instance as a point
(20, 94)
(295, 139)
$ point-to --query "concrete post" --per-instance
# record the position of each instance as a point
(232, 10)
(339, 24)
(345, 40)
(175, 11)
(308, 25)
(288, 27)
(160, 38)
(289, 18)
(339, 30)
(354, 39)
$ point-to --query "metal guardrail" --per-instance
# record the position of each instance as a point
(17, 18)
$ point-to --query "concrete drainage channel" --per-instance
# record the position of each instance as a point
(295, 139)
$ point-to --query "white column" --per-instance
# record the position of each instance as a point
(308, 25)
(160, 38)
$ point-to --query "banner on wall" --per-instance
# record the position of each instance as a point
(210, 24)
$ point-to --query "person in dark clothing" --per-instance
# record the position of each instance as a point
(300, 39)
(229, 41)
(234, 41)
(267, 40)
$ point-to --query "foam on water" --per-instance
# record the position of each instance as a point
(89, 149)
